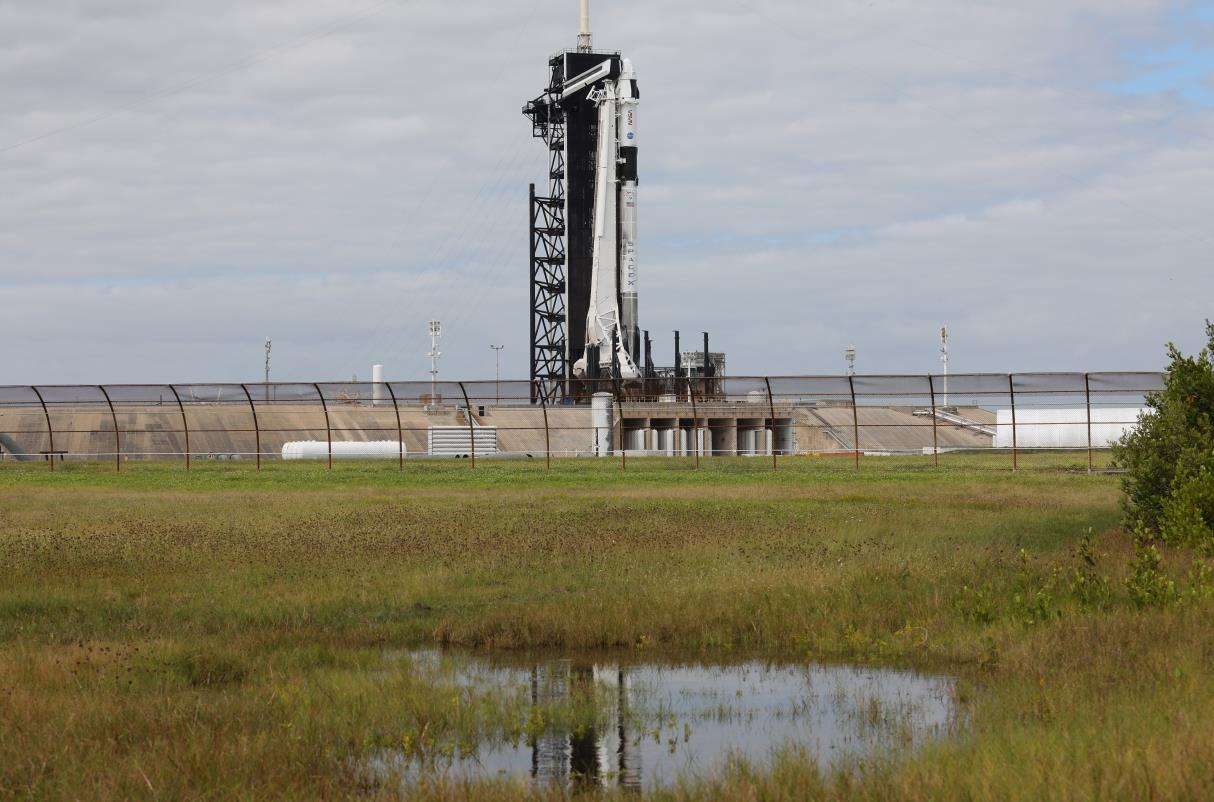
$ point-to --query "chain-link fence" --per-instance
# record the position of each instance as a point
(1026, 418)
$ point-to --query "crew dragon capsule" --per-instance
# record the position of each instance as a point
(612, 327)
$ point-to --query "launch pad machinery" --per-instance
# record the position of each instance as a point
(584, 301)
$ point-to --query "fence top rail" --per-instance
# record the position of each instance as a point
(263, 392)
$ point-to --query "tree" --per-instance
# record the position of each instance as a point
(1169, 458)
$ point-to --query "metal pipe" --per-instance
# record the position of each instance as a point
(695, 422)
(619, 429)
(1011, 389)
(185, 425)
(537, 389)
(547, 433)
(117, 434)
(855, 417)
(1087, 395)
(471, 424)
(328, 428)
(931, 388)
(256, 427)
(400, 434)
(771, 404)
(50, 430)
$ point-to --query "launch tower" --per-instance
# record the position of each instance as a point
(583, 230)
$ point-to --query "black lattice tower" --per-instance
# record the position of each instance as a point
(549, 317)
(562, 222)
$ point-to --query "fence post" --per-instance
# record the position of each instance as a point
(256, 427)
(50, 430)
(619, 428)
(1087, 395)
(855, 418)
(1011, 388)
(695, 422)
(117, 434)
(931, 388)
(547, 434)
(185, 425)
(400, 433)
(328, 427)
(471, 424)
(771, 405)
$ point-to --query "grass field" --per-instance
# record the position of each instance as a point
(234, 634)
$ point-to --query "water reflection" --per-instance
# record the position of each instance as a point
(640, 726)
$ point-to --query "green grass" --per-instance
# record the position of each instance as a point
(234, 634)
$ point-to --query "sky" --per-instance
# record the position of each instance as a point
(180, 180)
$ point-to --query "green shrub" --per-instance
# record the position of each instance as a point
(1187, 516)
(1169, 487)
(1088, 586)
(1148, 582)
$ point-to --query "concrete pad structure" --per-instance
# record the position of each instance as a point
(240, 431)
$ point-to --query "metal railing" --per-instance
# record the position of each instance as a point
(927, 416)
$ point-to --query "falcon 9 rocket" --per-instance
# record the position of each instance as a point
(611, 323)
(584, 319)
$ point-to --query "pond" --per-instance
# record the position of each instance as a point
(643, 724)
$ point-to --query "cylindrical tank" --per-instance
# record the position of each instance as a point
(635, 440)
(379, 393)
(602, 413)
(319, 449)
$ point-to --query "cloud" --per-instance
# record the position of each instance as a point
(336, 174)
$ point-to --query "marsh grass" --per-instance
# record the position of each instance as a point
(230, 634)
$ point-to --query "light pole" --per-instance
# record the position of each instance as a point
(497, 353)
(944, 359)
(436, 330)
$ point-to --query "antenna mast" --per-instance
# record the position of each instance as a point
(944, 359)
(583, 37)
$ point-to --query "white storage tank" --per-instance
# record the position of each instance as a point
(319, 449)
(379, 393)
(1064, 428)
(635, 440)
(602, 411)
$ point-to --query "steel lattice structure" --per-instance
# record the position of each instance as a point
(549, 280)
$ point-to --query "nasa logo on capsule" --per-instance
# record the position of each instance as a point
(631, 135)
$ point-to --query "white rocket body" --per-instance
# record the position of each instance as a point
(614, 266)
(628, 100)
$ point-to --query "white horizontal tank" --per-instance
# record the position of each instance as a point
(319, 449)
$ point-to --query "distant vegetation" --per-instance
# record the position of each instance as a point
(1169, 458)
